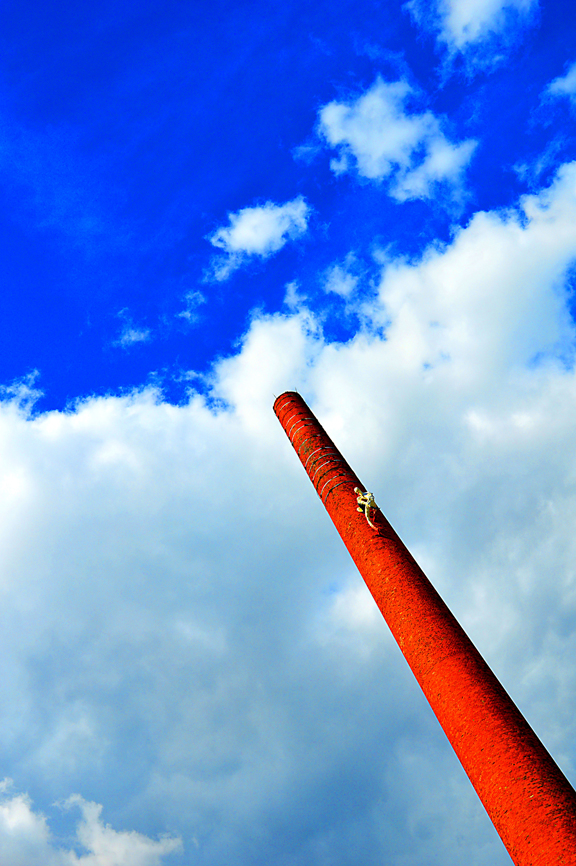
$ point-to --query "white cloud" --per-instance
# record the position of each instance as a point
(25, 838)
(131, 333)
(182, 631)
(294, 299)
(564, 85)
(384, 140)
(463, 24)
(258, 231)
(340, 278)
(193, 299)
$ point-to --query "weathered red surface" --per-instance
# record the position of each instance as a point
(529, 800)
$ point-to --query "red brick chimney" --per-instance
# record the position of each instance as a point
(529, 800)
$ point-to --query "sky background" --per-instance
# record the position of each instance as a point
(202, 206)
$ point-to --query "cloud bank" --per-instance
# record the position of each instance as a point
(184, 638)
(382, 140)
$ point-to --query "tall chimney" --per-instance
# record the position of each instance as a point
(528, 799)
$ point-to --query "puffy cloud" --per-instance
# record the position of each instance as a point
(466, 24)
(340, 278)
(258, 231)
(293, 299)
(25, 838)
(383, 140)
(184, 638)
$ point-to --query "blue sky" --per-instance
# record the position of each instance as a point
(204, 205)
(130, 136)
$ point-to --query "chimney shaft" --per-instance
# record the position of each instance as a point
(529, 800)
